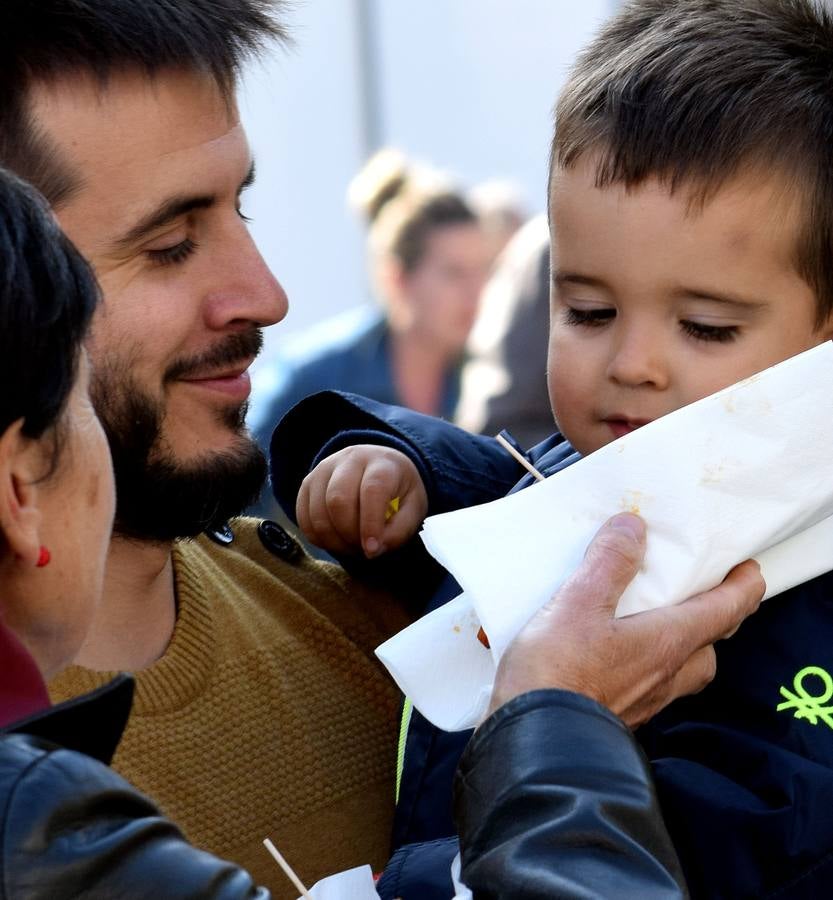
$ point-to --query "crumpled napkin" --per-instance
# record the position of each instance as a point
(352, 884)
(746, 472)
(357, 884)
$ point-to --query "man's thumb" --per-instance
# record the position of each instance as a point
(612, 559)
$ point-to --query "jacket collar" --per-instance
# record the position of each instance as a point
(22, 688)
(550, 456)
(92, 724)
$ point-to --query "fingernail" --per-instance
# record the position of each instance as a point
(371, 547)
(630, 524)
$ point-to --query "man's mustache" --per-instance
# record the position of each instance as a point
(232, 349)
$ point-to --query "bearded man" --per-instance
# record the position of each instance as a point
(259, 707)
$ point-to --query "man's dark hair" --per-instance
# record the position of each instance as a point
(47, 297)
(694, 92)
(43, 40)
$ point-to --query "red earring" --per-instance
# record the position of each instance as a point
(43, 557)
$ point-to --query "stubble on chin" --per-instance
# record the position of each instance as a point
(159, 498)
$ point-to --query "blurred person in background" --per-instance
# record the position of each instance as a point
(503, 383)
(499, 207)
(428, 259)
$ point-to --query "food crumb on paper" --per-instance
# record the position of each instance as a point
(632, 502)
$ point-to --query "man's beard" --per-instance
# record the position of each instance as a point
(159, 498)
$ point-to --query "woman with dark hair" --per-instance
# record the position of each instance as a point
(71, 827)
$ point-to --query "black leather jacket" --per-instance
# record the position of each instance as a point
(72, 828)
(554, 798)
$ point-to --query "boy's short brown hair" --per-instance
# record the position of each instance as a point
(694, 91)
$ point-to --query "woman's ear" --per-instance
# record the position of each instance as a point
(390, 278)
(21, 467)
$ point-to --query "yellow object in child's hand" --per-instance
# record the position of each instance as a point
(393, 508)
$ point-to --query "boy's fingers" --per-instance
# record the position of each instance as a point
(715, 614)
(610, 563)
(342, 502)
(302, 505)
(377, 487)
(310, 509)
(404, 524)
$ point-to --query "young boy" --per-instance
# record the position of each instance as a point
(691, 210)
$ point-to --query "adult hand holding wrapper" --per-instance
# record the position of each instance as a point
(746, 472)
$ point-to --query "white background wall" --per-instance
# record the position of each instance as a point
(467, 85)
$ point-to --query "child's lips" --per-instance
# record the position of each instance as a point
(622, 425)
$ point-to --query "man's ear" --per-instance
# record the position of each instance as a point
(21, 466)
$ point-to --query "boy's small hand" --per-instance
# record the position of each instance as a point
(342, 503)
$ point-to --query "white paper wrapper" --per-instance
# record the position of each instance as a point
(747, 472)
(353, 884)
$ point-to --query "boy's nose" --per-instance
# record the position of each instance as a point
(639, 360)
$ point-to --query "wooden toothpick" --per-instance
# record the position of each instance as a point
(519, 457)
(287, 869)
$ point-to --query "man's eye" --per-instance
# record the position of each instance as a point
(717, 333)
(169, 256)
(591, 317)
(243, 216)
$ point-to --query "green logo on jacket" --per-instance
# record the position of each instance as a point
(807, 705)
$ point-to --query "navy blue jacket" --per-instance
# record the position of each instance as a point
(744, 770)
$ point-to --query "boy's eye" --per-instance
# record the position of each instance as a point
(168, 256)
(591, 317)
(702, 332)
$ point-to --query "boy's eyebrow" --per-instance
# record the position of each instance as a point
(562, 278)
(171, 209)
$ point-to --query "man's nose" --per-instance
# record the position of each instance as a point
(245, 291)
(639, 359)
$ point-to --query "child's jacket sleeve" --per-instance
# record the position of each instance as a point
(458, 468)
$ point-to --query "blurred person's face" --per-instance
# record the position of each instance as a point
(163, 163)
(75, 506)
(441, 295)
(656, 304)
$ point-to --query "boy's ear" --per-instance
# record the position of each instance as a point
(21, 465)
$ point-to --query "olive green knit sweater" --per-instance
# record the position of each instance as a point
(268, 715)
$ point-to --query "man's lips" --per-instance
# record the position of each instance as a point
(622, 425)
(234, 382)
